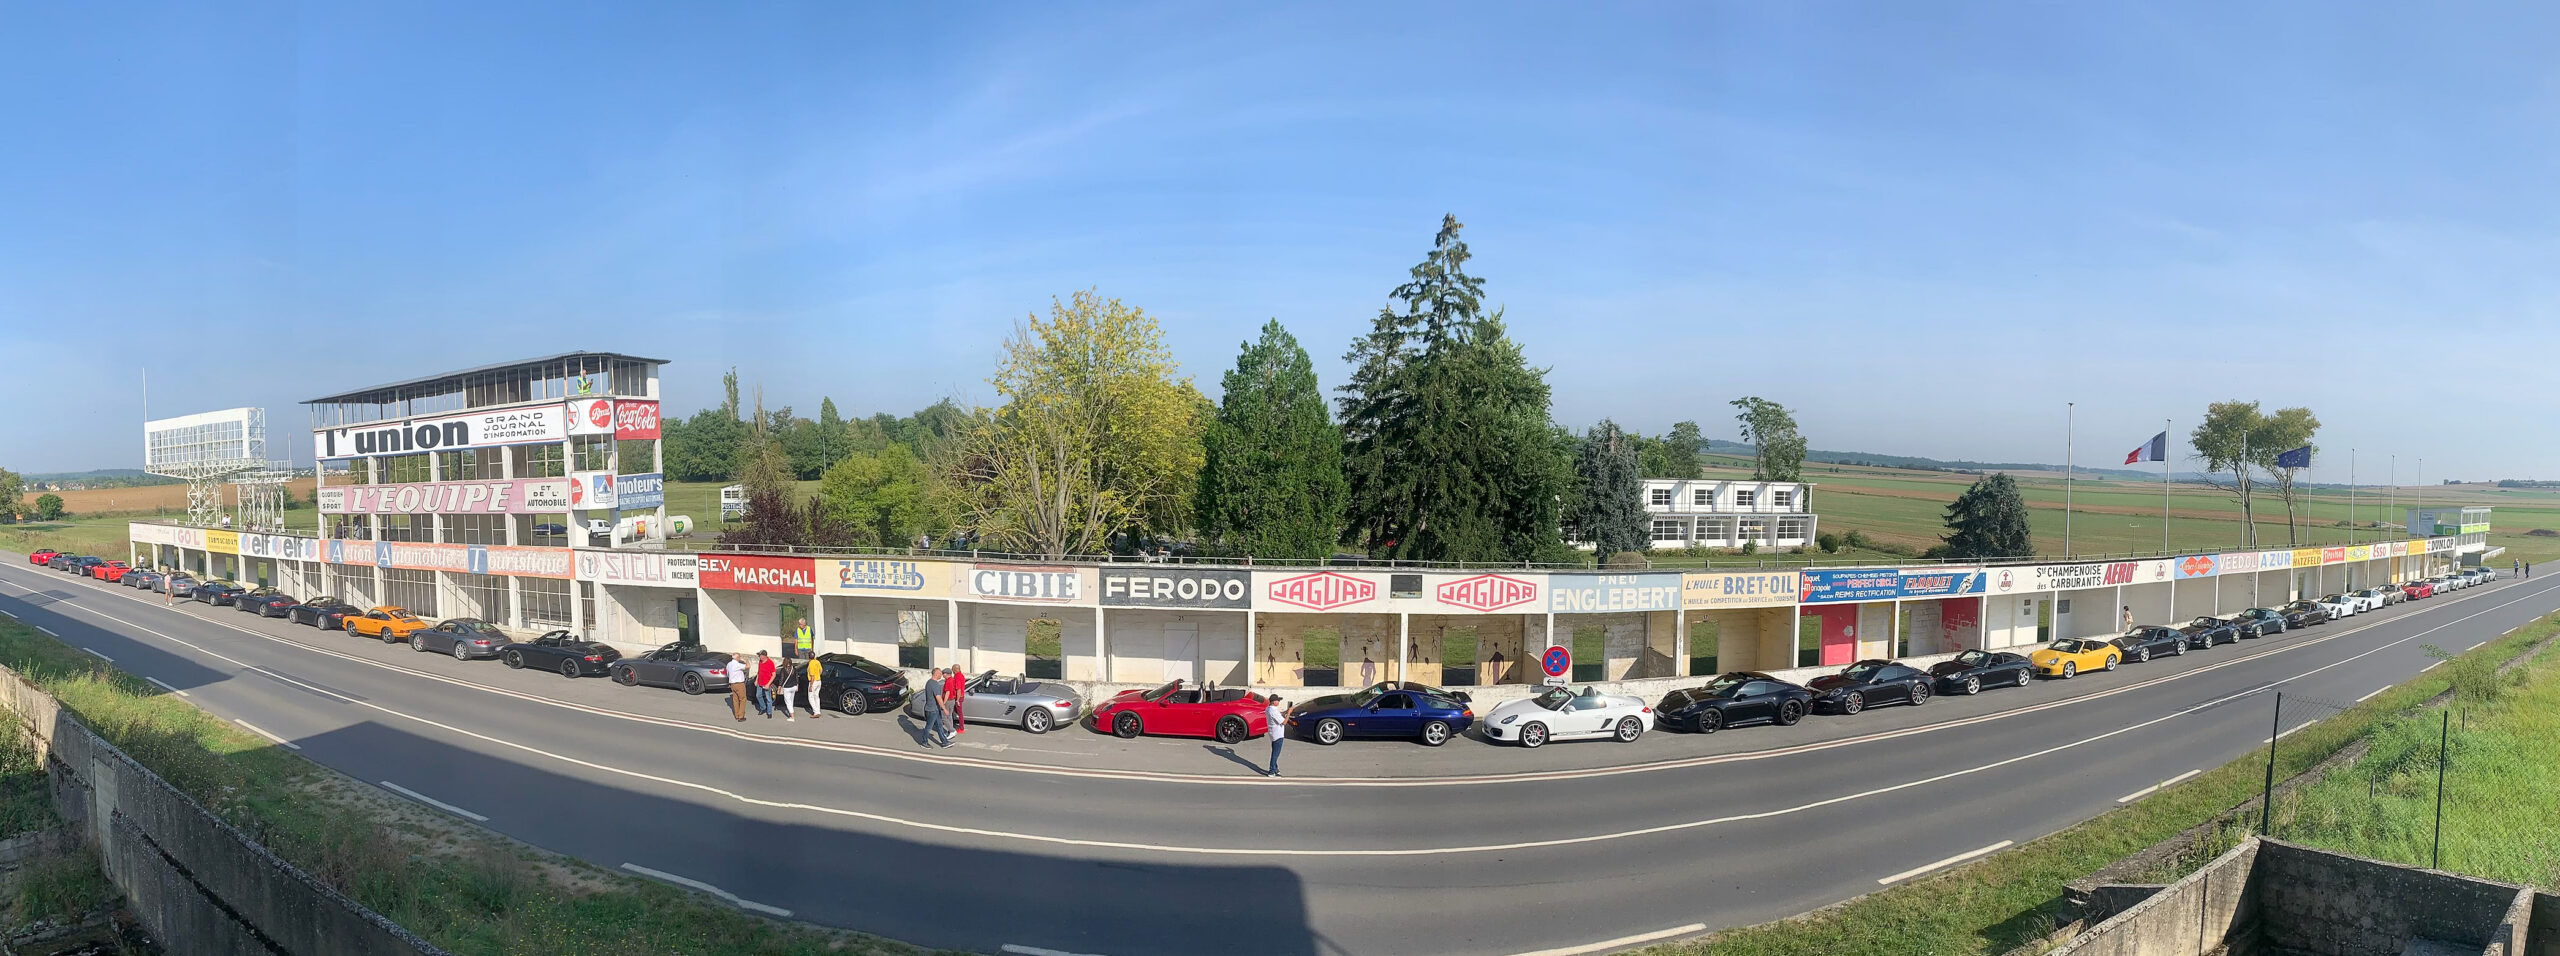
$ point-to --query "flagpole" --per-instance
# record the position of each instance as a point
(2351, 496)
(2068, 410)
(2164, 487)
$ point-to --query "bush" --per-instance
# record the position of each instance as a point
(1828, 542)
(1751, 547)
(1855, 540)
(49, 507)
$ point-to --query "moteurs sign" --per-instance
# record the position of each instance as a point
(1230, 590)
(514, 426)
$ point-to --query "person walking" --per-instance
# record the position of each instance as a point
(786, 679)
(737, 671)
(933, 709)
(764, 684)
(954, 688)
(1275, 725)
(817, 707)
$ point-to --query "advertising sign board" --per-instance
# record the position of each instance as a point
(1710, 589)
(635, 420)
(2238, 562)
(591, 490)
(2274, 560)
(514, 426)
(504, 496)
(1177, 588)
(759, 572)
(1832, 586)
(2194, 566)
(1486, 593)
(639, 492)
(1027, 583)
(885, 577)
(1319, 591)
(1612, 593)
(591, 416)
(639, 568)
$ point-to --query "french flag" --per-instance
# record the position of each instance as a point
(2157, 449)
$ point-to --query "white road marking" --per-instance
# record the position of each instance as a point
(2157, 787)
(2296, 729)
(1268, 852)
(743, 904)
(99, 656)
(1618, 943)
(2430, 667)
(255, 729)
(2371, 694)
(164, 685)
(1020, 950)
(433, 802)
(48, 632)
(1950, 861)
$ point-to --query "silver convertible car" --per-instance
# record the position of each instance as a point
(1020, 701)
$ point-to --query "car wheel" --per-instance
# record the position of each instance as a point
(2023, 676)
(1790, 712)
(2070, 669)
(461, 653)
(626, 677)
(853, 703)
(1534, 735)
(1328, 731)
(2142, 655)
(1919, 693)
(515, 662)
(1972, 686)
(1710, 721)
(387, 638)
(1629, 729)
(1231, 730)
(415, 643)
(2111, 662)
(1125, 725)
(1853, 703)
(1435, 733)
(1036, 720)
(692, 683)
(569, 669)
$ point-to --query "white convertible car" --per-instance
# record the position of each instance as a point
(1560, 714)
(2340, 605)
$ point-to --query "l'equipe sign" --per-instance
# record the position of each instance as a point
(512, 496)
(514, 426)
(1612, 593)
(759, 572)
(639, 492)
(1184, 588)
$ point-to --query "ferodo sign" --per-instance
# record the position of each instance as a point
(1181, 588)
(515, 426)
(513, 496)
(759, 572)
(1043, 585)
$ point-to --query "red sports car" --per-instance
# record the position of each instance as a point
(2418, 589)
(41, 556)
(110, 572)
(1181, 710)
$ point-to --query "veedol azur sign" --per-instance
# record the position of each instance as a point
(514, 426)
(1179, 588)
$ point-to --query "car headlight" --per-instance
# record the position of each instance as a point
(1506, 721)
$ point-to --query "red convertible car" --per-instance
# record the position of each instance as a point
(111, 571)
(1181, 710)
(41, 556)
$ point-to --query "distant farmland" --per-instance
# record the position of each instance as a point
(150, 499)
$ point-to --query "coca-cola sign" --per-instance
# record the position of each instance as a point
(635, 420)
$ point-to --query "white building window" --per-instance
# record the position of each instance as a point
(1742, 498)
(1662, 497)
(1792, 529)
(1668, 530)
(1754, 529)
(1702, 497)
(1783, 499)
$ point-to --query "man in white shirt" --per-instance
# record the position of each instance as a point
(737, 671)
(1275, 725)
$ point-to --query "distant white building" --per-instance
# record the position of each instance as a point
(1722, 513)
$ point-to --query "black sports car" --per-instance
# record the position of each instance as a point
(2206, 632)
(1971, 671)
(686, 667)
(854, 684)
(216, 593)
(2310, 612)
(1870, 682)
(263, 602)
(2242, 625)
(2147, 641)
(1741, 697)
(463, 637)
(2269, 621)
(562, 652)
(325, 613)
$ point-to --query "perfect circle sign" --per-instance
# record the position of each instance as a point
(1557, 662)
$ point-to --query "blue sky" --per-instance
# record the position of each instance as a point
(1923, 226)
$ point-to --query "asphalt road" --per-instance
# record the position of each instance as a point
(1075, 842)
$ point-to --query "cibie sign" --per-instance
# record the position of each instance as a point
(1044, 585)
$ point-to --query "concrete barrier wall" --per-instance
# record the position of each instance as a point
(201, 886)
(2200, 914)
(2331, 903)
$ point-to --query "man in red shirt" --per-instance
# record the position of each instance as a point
(764, 684)
(952, 689)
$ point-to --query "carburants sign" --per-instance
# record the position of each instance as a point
(755, 572)
(1486, 592)
(1322, 591)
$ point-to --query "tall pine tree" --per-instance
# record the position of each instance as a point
(1271, 483)
(1989, 521)
(1446, 443)
(1608, 495)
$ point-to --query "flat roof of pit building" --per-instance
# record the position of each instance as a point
(371, 390)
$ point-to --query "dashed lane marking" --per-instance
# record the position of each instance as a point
(48, 632)
(433, 802)
(1020, 950)
(744, 904)
(1621, 942)
(260, 731)
(2157, 787)
(2297, 728)
(2369, 695)
(2430, 667)
(1950, 861)
(164, 685)
(99, 656)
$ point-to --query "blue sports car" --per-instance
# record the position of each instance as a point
(1432, 718)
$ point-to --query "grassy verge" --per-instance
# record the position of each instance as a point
(104, 536)
(463, 888)
(2013, 898)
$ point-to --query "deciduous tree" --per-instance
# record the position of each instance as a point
(1271, 482)
(49, 507)
(1777, 450)
(1989, 521)
(11, 487)
(1607, 506)
(882, 498)
(2238, 440)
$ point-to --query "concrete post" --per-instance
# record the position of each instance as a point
(1101, 645)
(1404, 640)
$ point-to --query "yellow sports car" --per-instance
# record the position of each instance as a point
(391, 624)
(2071, 655)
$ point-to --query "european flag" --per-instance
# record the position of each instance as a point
(2297, 458)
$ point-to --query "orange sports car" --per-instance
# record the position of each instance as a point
(391, 624)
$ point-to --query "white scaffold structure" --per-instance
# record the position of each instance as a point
(208, 449)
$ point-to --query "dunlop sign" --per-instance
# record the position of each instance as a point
(1223, 590)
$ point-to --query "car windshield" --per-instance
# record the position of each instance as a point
(1970, 658)
(1160, 692)
(1555, 698)
(1861, 672)
(1722, 686)
(1363, 698)
(2334, 598)
(479, 627)
(2068, 645)
(861, 664)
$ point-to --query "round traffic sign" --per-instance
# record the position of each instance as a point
(1556, 661)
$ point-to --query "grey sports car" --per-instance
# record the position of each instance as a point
(686, 667)
(1020, 701)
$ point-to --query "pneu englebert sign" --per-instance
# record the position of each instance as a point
(1612, 593)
